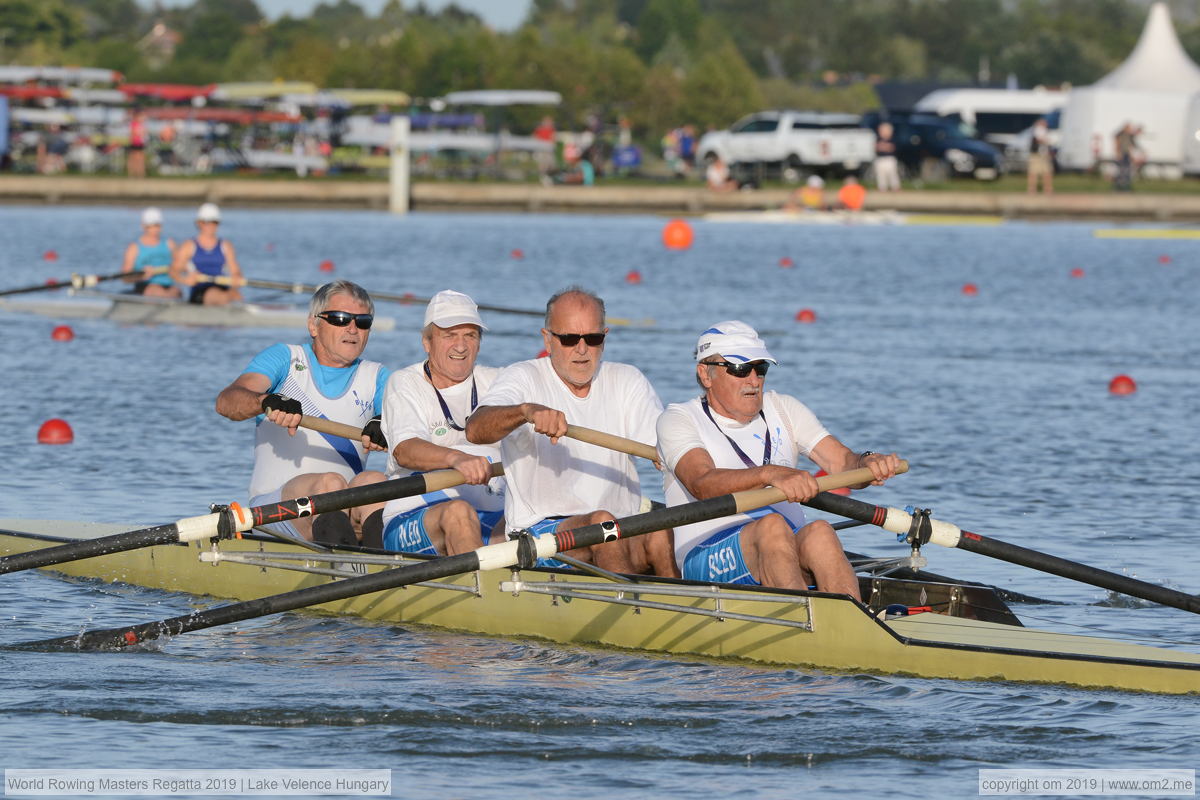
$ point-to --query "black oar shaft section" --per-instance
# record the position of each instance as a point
(90, 548)
(1015, 554)
(207, 526)
(898, 521)
(115, 638)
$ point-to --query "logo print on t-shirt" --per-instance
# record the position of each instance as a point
(441, 430)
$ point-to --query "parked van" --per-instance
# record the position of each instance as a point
(997, 115)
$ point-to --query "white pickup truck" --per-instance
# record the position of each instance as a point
(801, 141)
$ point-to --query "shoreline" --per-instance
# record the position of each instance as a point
(527, 197)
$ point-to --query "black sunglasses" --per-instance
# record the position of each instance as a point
(572, 339)
(742, 370)
(340, 319)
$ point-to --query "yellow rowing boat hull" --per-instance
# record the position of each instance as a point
(791, 628)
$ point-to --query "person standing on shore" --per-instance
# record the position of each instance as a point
(135, 160)
(887, 171)
(206, 257)
(1041, 160)
(151, 251)
(1124, 145)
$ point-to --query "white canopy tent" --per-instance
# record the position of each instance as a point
(1152, 88)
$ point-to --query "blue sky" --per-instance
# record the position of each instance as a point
(500, 14)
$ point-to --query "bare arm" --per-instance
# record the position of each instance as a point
(418, 454)
(179, 271)
(703, 479)
(490, 424)
(833, 456)
(232, 266)
(130, 256)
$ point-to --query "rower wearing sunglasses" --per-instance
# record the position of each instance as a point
(557, 483)
(736, 437)
(325, 378)
(425, 410)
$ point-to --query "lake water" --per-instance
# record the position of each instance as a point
(999, 400)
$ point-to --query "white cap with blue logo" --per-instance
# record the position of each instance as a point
(735, 341)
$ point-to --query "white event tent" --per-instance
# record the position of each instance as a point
(1153, 88)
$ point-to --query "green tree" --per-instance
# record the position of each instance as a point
(720, 89)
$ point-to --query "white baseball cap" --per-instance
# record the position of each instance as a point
(735, 341)
(152, 216)
(209, 213)
(449, 308)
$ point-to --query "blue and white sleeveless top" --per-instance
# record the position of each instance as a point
(279, 457)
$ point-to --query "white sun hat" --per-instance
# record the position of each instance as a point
(735, 341)
(152, 216)
(449, 308)
(209, 213)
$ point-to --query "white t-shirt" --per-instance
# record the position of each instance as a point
(411, 411)
(683, 427)
(573, 477)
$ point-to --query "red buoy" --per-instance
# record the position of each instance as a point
(517, 253)
(806, 315)
(62, 333)
(786, 263)
(52, 281)
(1122, 384)
(633, 276)
(677, 235)
(819, 473)
(970, 289)
(1164, 259)
(55, 431)
(543, 353)
(50, 255)
(326, 266)
(270, 247)
(1077, 272)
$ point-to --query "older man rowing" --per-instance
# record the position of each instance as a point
(425, 408)
(326, 378)
(554, 483)
(737, 437)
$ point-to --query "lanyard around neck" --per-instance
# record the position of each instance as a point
(442, 401)
(741, 453)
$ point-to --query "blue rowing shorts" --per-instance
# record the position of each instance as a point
(406, 533)
(718, 559)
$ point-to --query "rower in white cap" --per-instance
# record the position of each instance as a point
(737, 437)
(205, 257)
(150, 252)
(425, 410)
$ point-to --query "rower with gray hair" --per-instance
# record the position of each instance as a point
(556, 483)
(425, 410)
(326, 377)
(736, 436)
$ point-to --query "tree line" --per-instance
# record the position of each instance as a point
(659, 63)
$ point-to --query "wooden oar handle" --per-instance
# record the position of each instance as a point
(435, 480)
(757, 498)
(323, 425)
(612, 442)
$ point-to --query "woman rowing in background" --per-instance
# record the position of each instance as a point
(202, 259)
(151, 252)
